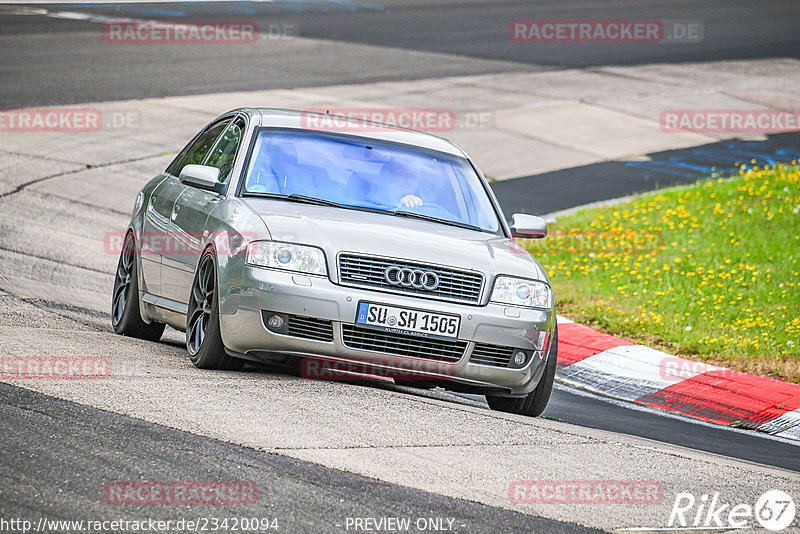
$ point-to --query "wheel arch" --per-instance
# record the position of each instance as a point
(211, 247)
(144, 308)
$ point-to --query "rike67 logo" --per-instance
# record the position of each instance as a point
(774, 510)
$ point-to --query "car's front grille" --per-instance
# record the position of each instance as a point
(493, 355)
(310, 328)
(402, 345)
(454, 284)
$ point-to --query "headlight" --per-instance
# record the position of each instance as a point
(300, 258)
(521, 292)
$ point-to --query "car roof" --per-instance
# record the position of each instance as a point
(295, 119)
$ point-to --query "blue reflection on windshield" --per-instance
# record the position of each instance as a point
(370, 174)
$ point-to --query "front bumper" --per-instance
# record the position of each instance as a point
(244, 332)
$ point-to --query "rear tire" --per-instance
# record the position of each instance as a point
(536, 401)
(125, 316)
(203, 338)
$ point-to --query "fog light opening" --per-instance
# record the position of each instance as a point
(519, 358)
(275, 322)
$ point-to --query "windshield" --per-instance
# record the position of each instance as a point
(370, 174)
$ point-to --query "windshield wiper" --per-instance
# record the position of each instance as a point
(412, 215)
(303, 199)
(296, 198)
(314, 200)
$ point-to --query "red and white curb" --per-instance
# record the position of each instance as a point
(611, 366)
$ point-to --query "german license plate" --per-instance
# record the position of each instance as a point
(408, 321)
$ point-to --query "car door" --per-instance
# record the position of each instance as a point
(191, 212)
(157, 238)
(155, 231)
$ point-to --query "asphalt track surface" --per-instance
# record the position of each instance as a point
(417, 39)
(302, 496)
(73, 66)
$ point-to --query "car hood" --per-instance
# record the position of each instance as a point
(340, 230)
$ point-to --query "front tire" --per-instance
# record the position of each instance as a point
(203, 338)
(125, 316)
(536, 401)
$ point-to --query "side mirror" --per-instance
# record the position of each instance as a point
(202, 177)
(528, 226)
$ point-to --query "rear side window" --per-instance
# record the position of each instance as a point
(196, 151)
(223, 154)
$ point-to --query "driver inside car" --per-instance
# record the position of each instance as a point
(402, 184)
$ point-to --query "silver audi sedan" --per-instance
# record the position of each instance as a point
(344, 246)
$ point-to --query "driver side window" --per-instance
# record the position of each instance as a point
(196, 151)
(223, 154)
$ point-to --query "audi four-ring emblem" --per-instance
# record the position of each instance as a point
(416, 278)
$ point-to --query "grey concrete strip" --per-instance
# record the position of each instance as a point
(732, 75)
(783, 98)
(89, 189)
(649, 108)
(18, 169)
(513, 124)
(126, 131)
(577, 85)
(602, 133)
(58, 284)
(444, 446)
(509, 151)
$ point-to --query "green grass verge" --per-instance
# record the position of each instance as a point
(709, 271)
